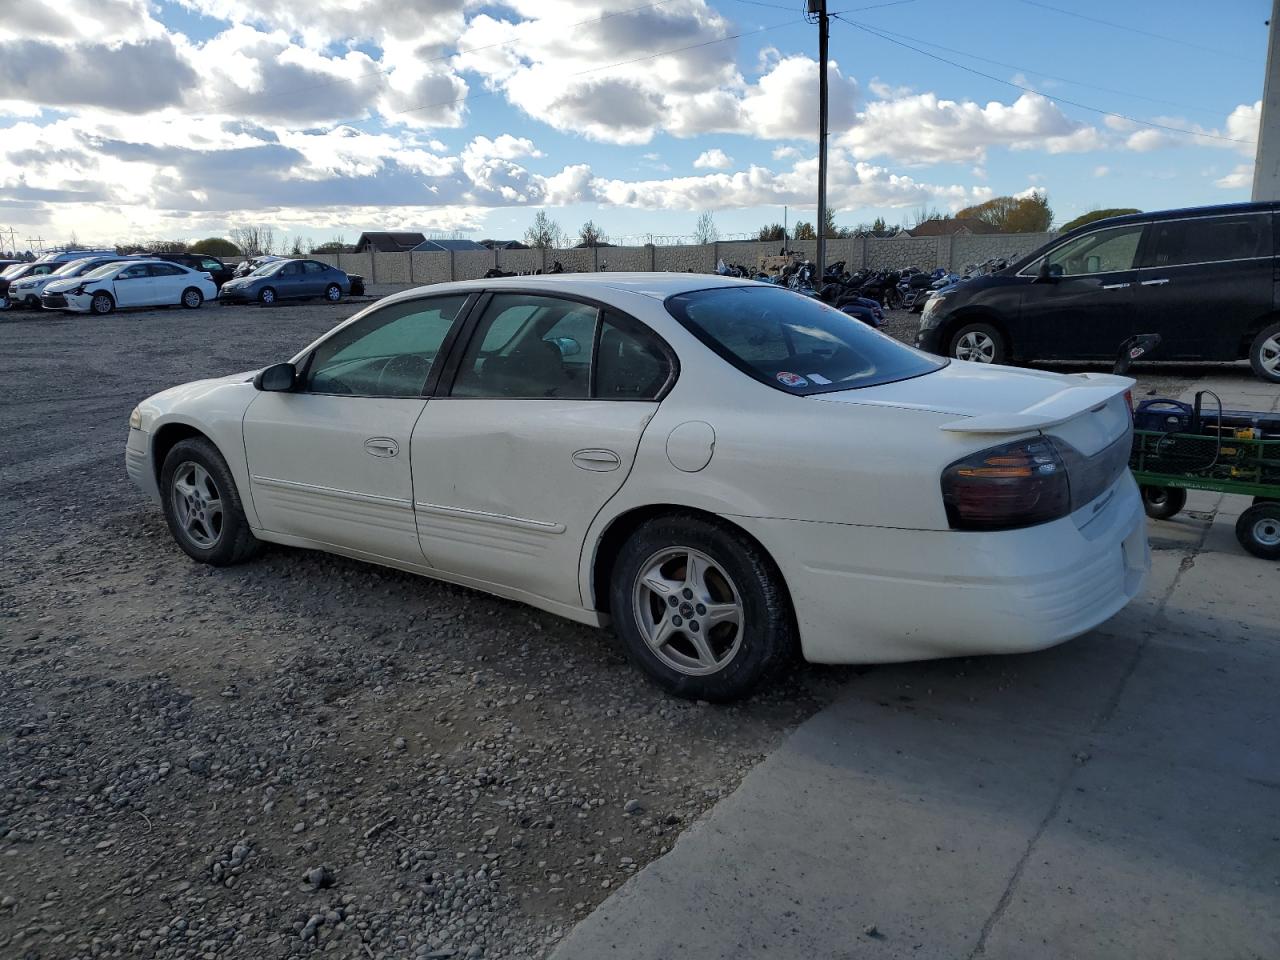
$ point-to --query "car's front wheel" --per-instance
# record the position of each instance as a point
(333, 293)
(267, 296)
(701, 608)
(1264, 354)
(202, 505)
(192, 298)
(102, 303)
(979, 342)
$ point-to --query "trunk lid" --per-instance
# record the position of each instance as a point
(1088, 410)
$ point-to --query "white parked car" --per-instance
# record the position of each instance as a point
(140, 283)
(728, 471)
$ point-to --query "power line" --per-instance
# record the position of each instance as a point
(457, 53)
(1121, 26)
(1050, 76)
(1026, 89)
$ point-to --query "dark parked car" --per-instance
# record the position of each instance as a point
(287, 280)
(202, 262)
(1203, 278)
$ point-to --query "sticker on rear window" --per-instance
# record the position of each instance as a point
(819, 379)
(792, 379)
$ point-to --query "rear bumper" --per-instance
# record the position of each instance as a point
(868, 595)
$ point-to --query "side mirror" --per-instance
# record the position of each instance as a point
(1048, 272)
(277, 378)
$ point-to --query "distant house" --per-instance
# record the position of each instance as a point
(952, 227)
(380, 242)
(504, 245)
(444, 246)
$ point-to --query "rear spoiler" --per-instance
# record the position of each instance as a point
(1064, 405)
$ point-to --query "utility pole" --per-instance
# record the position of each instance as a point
(817, 13)
(1266, 166)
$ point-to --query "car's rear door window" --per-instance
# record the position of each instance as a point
(1211, 239)
(795, 343)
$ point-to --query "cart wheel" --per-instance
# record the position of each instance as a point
(1161, 503)
(1258, 530)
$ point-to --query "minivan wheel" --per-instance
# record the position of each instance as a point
(979, 342)
(1264, 355)
(700, 608)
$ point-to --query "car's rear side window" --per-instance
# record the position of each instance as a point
(1211, 239)
(795, 343)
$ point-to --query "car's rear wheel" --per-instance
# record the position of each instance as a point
(102, 303)
(701, 608)
(267, 296)
(1258, 530)
(1264, 354)
(203, 507)
(333, 293)
(1161, 503)
(192, 298)
(4, 301)
(979, 342)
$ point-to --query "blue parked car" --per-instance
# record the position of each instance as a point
(287, 280)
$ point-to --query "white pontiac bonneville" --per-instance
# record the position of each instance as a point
(728, 471)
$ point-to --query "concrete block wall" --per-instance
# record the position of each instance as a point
(700, 258)
(574, 260)
(520, 261)
(980, 247)
(893, 254)
(391, 268)
(359, 263)
(471, 264)
(430, 267)
(628, 259)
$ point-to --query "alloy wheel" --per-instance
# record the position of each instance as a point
(191, 298)
(976, 346)
(1269, 355)
(197, 504)
(102, 303)
(689, 611)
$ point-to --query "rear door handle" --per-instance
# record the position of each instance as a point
(1155, 283)
(381, 447)
(597, 461)
(1114, 286)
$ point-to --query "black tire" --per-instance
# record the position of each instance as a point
(4, 301)
(191, 298)
(267, 296)
(333, 293)
(1161, 503)
(1258, 530)
(764, 638)
(1264, 354)
(1258, 500)
(979, 342)
(102, 303)
(234, 541)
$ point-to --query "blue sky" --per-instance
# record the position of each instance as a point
(142, 119)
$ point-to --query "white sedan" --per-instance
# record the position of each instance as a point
(139, 283)
(727, 471)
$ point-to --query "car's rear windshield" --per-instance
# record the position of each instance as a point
(795, 343)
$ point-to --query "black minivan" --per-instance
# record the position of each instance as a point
(1206, 279)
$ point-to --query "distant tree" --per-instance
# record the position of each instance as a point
(545, 234)
(590, 235)
(129, 249)
(804, 231)
(1030, 214)
(705, 230)
(832, 230)
(336, 245)
(770, 232)
(301, 246)
(254, 241)
(923, 213)
(164, 246)
(215, 247)
(1093, 215)
(73, 243)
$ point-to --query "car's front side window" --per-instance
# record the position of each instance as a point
(387, 353)
(1102, 251)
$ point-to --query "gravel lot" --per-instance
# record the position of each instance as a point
(304, 753)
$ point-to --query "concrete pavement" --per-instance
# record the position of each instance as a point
(1118, 796)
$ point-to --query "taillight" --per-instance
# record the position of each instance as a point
(1014, 485)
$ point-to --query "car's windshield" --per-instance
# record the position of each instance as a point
(795, 343)
(72, 268)
(13, 270)
(100, 272)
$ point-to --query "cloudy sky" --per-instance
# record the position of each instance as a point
(149, 119)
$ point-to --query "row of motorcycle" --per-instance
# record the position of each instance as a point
(865, 294)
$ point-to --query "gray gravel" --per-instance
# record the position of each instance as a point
(304, 753)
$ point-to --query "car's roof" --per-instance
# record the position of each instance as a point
(656, 285)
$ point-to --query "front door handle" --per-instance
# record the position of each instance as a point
(1155, 283)
(1114, 286)
(381, 447)
(597, 461)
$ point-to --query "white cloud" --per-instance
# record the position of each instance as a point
(714, 159)
(1238, 179)
(1101, 170)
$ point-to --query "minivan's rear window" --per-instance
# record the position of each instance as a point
(795, 343)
